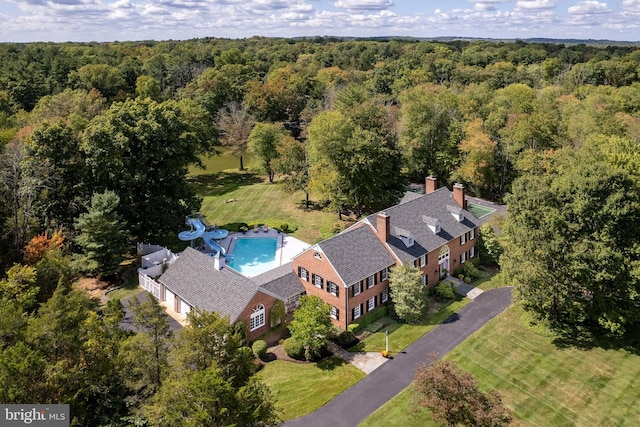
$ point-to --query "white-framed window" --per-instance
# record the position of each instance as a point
(257, 318)
(332, 288)
(463, 257)
(472, 234)
(303, 274)
(335, 313)
(371, 281)
(384, 274)
(357, 288)
(424, 280)
(463, 239)
(384, 296)
(472, 252)
(423, 260)
(371, 303)
(318, 281)
(356, 311)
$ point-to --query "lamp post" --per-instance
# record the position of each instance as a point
(386, 338)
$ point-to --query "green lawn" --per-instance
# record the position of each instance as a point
(400, 412)
(546, 384)
(301, 388)
(256, 201)
(402, 335)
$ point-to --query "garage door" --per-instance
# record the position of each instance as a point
(170, 298)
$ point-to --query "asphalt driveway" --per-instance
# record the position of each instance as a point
(355, 404)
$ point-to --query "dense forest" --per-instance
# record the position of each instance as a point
(96, 140)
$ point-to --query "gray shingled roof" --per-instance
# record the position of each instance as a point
(281, 282)
(408, 216)
(356, 254)
(195, 279)
(409, 196)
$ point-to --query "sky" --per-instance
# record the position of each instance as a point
(131, 20)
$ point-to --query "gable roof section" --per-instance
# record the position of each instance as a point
(280, 282)
(408, 216)
(356, 254)
(409, 196)
(195, 279)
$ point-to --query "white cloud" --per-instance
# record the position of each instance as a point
(536, 4)
(589, 7)
(363, 4)
(631, 6)
(488, 5)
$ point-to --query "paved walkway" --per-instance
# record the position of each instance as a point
(367, 362)
(356, 403)
(464, 289)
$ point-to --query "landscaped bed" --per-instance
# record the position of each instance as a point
(402, 335)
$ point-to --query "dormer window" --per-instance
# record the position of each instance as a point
(432, 223)
(405, 236)
(456, 212)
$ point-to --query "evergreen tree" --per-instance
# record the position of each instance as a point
(102, 236)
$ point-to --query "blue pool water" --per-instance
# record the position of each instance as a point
(254, 255)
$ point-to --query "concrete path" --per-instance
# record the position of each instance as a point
(367, 362)
(355, 404)
(464, 289)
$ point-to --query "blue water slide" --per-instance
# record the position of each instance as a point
(213, 245)
(197, 229)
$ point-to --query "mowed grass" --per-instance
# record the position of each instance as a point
(301, 388)
(242, 197)
(545, 383)
(402, 335)
(400, 412)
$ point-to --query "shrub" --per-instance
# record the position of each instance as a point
(368, 319)
(240, 328)
(337, 227)
(345, 339)
(259, 348)
(461, 276)
(467, 280)
(293, 349)
(284, 227)
(444, 291)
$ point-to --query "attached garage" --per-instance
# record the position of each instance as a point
(170, 298)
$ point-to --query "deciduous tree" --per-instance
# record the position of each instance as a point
(408, 294)
(311, 324)
(571, 251)
(235, 124)
(454, 399)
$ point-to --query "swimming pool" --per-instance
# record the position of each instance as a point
(254, 255)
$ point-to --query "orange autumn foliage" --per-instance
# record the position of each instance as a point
(39, 245)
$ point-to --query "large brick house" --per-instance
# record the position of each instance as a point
(350, 271)
(195, 279)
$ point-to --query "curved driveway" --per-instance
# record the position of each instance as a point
(356, 403)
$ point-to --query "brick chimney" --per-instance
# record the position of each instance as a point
(458, 195)
(383, 226)
(431, 184)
